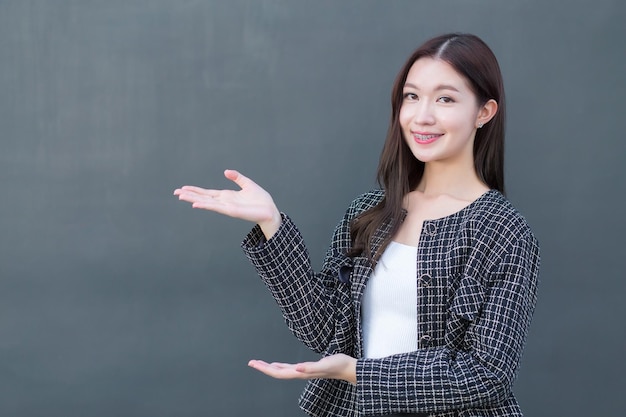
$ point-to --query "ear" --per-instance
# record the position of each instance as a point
(486, 113)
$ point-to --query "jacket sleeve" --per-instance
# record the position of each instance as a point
(316, 306)
(480, 374)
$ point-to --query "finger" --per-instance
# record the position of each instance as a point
(276, 365)
(283, 373)
(277, 370)
(215, 206)
(304, 367)
(180, 190)
(256, 362)
(197, 190)
(193, 197)
(281, 365)
(310, 367)
(238, 178)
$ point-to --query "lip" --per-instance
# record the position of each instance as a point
(424, 138)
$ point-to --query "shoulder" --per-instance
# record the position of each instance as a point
(365, 202)
(499, 235)
(494, 216)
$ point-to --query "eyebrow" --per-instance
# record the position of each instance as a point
(438, 88)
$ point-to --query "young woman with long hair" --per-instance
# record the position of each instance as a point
(426, 293)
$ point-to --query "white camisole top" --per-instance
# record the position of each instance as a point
(389, 307)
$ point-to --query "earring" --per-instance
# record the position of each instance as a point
(480, 125)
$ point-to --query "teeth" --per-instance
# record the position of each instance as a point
(425, 137)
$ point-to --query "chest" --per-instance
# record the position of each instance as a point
(445, 255)
(419, 210)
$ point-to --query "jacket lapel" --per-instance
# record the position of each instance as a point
(362, 270)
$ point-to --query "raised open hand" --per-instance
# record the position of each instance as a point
(250, 203)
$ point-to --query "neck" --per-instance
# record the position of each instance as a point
(456, 180)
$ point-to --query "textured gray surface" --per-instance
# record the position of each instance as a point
(116, 299)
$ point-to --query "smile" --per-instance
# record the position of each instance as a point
(425, 138)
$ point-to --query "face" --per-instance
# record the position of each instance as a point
(439, 113)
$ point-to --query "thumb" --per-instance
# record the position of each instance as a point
(241, 180)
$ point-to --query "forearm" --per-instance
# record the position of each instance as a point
(283, 264)
(427, 381)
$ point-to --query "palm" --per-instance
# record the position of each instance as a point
(250, 203)
(338, 366)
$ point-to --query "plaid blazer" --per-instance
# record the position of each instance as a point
(476, 283)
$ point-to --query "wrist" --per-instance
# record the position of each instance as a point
(271, 226)
(350, 375)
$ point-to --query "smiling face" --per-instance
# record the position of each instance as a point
(440, 113)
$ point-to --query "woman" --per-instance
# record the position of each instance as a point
(427, 290)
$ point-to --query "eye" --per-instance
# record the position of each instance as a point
(410, 96)
(445, 99)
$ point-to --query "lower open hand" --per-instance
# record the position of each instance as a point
(338, 366)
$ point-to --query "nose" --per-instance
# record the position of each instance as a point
(423, 113)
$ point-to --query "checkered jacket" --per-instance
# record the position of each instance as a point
(476, 282)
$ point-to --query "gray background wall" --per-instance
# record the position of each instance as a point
(118, 300)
